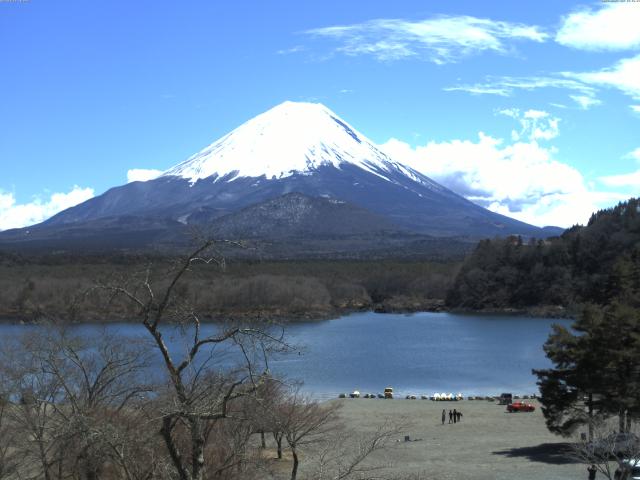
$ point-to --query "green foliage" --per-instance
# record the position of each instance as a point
(595, 371)
(596, 263)
(595, 364)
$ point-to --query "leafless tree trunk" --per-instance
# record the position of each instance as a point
(302, 422)
(199, 394)
(590, 414)
(278, 437)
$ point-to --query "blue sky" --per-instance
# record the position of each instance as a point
(529, 108)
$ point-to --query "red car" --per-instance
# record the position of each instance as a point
(520, 407)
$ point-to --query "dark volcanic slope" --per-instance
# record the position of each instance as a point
(425, 208)
(297, 215)
(293, 226)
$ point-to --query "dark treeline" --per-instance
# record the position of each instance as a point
(590, 264)
(60, 287)
(596, 263)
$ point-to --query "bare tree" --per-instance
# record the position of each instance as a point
(611, 452)
(33, 393)
(265, 410)
(199, 390)
(133, 445)
(9, 460)
(344, 456)
(66, 390)
(303, 422)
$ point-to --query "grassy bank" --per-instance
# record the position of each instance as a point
(488, 444)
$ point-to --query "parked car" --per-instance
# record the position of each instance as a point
(505, 399)
(634, 468)
(520, 407)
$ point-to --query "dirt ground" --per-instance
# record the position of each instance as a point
(488, 444)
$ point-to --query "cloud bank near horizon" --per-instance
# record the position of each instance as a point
(18, 215)
(521, 178)
(142, 174)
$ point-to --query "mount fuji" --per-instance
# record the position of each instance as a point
(248, 176)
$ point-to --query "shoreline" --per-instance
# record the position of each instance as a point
(277, 316)
(402, 395)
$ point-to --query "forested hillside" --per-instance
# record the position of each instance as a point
(60, 287)
(595, 263)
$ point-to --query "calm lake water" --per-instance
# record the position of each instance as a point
(420, 353)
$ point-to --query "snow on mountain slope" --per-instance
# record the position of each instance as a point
(293, 137)
(301, 148)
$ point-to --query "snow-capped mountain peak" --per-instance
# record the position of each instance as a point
(247, 178)
(293, 137)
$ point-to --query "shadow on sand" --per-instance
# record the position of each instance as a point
(552, 453)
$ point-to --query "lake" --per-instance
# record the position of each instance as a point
(418, 353)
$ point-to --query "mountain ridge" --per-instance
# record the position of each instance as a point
(294, 147)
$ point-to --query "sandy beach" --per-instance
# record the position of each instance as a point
(488, 444)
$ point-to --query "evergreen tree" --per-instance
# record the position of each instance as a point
(596, 263)
(596, 370)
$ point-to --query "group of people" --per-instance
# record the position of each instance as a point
(454, 416)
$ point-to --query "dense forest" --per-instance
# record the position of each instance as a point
(61, 287)
(596, 263)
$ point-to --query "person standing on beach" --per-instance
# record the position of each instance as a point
(459, 413)
(455, 416)
(450, 416)
(592, 472)
(444, 415)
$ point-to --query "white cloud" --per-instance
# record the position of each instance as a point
(634, 154)
(630, 180)
(584, 101)
(614, 26)
(142, 174)
(15, 215)
(441, 39)
(521, 179)
(510, 112)
(481, 89)
(507, 86)
(288, 51)
(624, 75)
(562, 209)
(535, 124)
(625, 180)
(535, 114)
